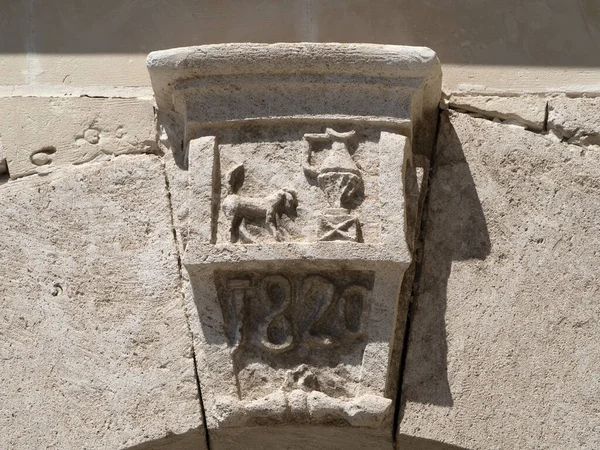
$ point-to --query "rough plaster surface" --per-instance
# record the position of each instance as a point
(46, 132)
(503, 346)
(95, 348)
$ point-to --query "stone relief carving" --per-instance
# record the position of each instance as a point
(280, 312)
(42, 157)
(299, 330)
(74, 130)
(340, 179)
(264, 212)
(296, 186)
(299, 224)
(334, 172)
(298, 322)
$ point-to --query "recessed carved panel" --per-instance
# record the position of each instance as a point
(294, 312)
(299, 330)
(296, 184)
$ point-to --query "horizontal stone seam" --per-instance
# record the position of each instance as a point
(60, 91)
(496, 116)
(526, 125)
(591, 93)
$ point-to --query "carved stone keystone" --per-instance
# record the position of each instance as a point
(303, 178)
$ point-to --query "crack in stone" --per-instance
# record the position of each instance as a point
(572, 138)
(544, 127)
(181, 290)
(416, 281)
(494, 116)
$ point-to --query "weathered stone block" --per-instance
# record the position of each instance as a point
(303, 197)
(94, 344)
(503, 346)
(527, 110)
(47, 132)
(304, 82)
(576, 120)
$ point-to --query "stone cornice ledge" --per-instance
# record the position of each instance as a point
(300, 81)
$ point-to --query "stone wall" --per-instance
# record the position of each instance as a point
(96, 349)
(501, 349)
(513, 45)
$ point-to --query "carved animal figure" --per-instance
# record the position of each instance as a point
(266, 211)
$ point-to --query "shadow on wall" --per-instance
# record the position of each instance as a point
(413, 443)
(191, 440)
(454, 229)
(485, 32)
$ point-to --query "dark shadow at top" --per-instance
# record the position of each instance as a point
(486, 32)
(454, 229)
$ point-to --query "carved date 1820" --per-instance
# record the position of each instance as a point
(280, 312)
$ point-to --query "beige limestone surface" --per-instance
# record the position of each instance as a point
(516, 45)
(95, 350)
(527, 110)
(298, 227)
(503, 340)
(576, 120)
(503, 349)
(46, 132)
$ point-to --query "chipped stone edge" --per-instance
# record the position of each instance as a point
(450, 102)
